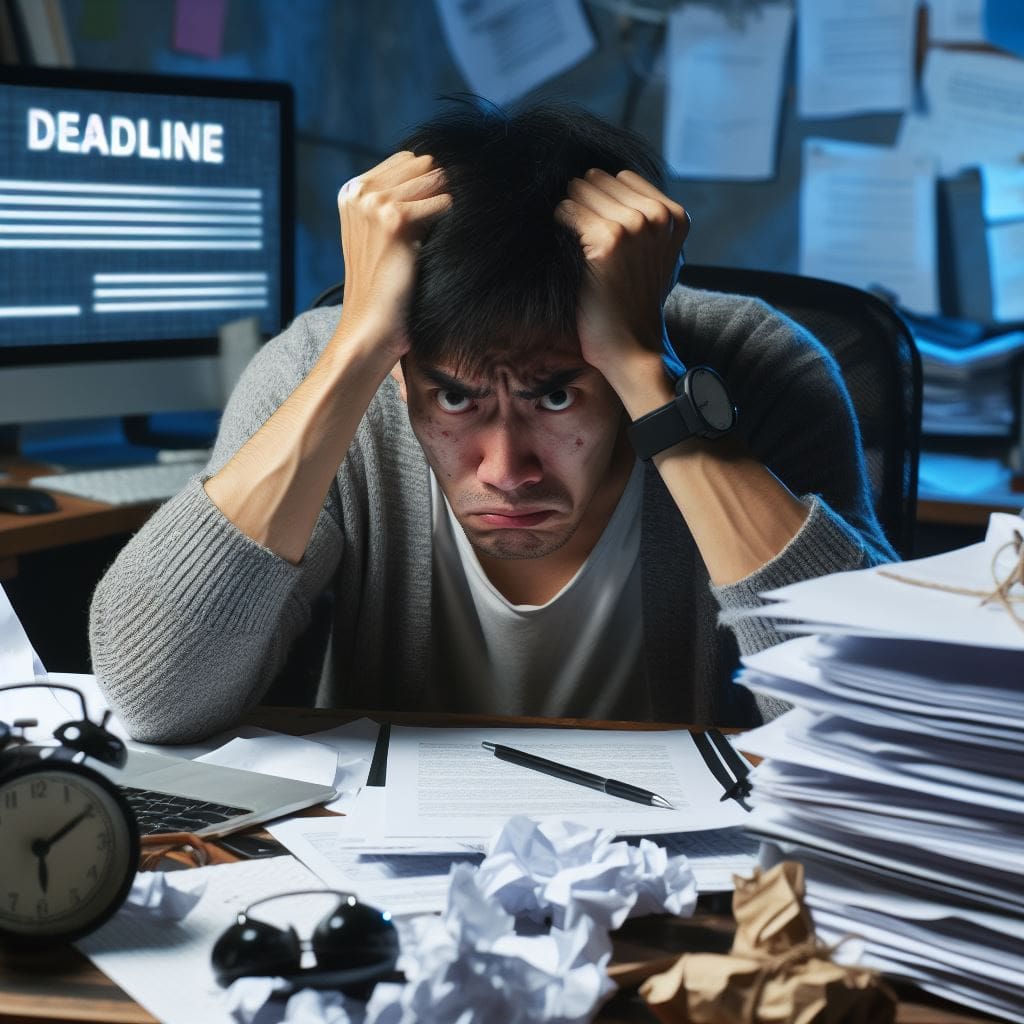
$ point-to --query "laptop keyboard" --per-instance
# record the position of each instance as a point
(164, 812)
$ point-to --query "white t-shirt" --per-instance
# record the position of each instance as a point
(578, 655)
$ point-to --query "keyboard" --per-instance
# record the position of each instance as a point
(158, 812)
(124, 485)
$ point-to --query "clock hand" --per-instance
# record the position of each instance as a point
(62, 832)
(40, 848)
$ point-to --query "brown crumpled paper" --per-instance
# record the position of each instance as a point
(777, 972)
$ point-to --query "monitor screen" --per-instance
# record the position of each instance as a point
(138, 215)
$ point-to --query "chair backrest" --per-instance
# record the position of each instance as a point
(880, 365)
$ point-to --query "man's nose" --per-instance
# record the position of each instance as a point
(508, 457)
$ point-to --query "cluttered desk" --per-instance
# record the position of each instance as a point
(882, 814)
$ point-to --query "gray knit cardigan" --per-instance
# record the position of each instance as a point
(194, 620)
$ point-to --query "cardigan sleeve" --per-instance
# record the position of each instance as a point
(193, 620)
(795, 415)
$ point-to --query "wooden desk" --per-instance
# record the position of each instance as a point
(973, 508)
(65, 986)
(76, 520)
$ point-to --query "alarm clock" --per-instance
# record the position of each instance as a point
(69, 842)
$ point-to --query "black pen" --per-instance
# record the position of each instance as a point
(562, 771)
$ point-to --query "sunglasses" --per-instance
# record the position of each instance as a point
(352, 947)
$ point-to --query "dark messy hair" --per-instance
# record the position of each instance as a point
(497, 272)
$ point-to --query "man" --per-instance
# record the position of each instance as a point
(451, 454)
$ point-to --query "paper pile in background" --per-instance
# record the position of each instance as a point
(898, 780)
(969, 386)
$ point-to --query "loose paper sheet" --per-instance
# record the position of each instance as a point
(19, 662)
(724, 92)
(1005, 243)
(867, 217)
(974, 114)
(956, 21)
(866, 601)
(506, 47)
(1002, 192)
(854, 56)
(442, 783)
(165, 965)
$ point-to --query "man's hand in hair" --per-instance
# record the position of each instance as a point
(385, 214)
(632, 236)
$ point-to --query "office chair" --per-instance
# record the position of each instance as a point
(880, 365)
(879, 362)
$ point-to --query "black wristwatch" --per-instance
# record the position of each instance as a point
(702, 408)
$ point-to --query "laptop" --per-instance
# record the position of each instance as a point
(174, 794)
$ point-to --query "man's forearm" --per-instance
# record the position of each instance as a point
(274, 487)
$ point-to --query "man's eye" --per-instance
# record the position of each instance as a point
(558, 400)
(453, 401)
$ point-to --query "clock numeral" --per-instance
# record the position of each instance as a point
(37, 790)
(42, 908)
(12, 899)
(67, 794)
(103, 842)
(92, 873)
(10, 800)
(75, 898)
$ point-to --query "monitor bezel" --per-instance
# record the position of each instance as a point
(278, 92)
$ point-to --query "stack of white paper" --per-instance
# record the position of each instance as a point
(898, 779)
(969, 386)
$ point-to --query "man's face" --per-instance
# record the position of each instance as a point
(525, 452)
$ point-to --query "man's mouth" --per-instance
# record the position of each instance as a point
(513, 519)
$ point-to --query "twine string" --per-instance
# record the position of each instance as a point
(1001, 595)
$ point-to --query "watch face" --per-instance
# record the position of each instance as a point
(68, 851)
(711, 399)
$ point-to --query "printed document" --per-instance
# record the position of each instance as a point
(724, 92)
(1005, 244)
(974, 111)
(956, 21)
(854, 56)
(442, 783)
(867, 218)
(506, 47)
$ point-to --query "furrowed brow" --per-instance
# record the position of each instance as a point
(443, 380)
(545, 385)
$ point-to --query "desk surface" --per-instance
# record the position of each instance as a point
(76, 519)
(65, 986)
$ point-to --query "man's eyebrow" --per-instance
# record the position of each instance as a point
(541, 385)
(552, 382)
(449, 383)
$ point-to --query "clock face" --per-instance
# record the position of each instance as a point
(68, 852)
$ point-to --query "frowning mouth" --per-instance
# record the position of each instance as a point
(513, 519)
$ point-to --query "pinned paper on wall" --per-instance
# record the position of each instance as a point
(1005, 244)
(724, 94)
(854, 58)
(974, 114)
(867, 218)
(199, 27)
(956, 21)
(506, 47)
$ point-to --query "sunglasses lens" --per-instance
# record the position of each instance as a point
(354, 936)
(255, 949)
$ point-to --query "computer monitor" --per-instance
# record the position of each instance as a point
(138, 214)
